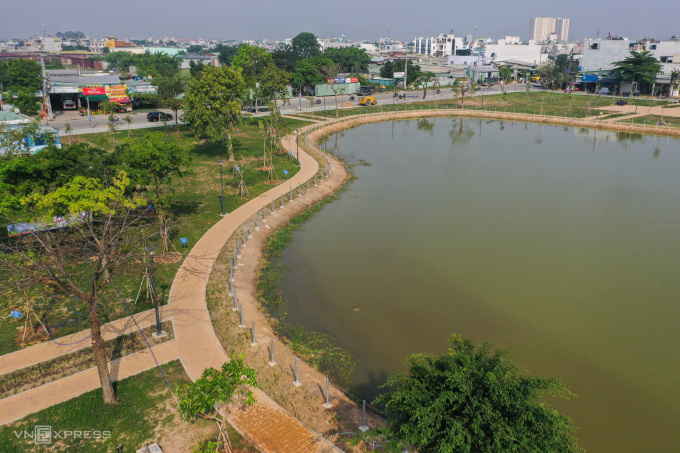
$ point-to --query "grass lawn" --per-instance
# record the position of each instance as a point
(545, 102)
(196, 208)
(144, 405)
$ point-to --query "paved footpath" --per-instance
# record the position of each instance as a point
(195, 343)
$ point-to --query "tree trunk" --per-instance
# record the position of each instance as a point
(99, 353)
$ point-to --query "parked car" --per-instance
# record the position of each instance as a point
(604, 91)
(158, 116)
(70, 104)
(621, 102)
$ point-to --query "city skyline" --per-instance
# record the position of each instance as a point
(211, 19)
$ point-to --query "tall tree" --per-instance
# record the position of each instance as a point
(212, 104)
(252, 61)
(349, 59)
(273, 83)
(77, 261)
(475, 400)
(641, 67)
(305, 45)
(308, 74)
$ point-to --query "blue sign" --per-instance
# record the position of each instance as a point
(285, 172)
(16, 314)
(589, 78)
(184, 240)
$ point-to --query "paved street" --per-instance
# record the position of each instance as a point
(99, 123)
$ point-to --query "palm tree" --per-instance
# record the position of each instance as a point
(641, 67)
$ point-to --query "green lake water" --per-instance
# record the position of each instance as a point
(562, 244)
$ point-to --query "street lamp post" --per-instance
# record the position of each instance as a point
(222, 184)
(297, 143)
(159, 332)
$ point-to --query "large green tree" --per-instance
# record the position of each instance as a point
(641, 67)
(252, 61)
(22, 74)
(474, 399)
(308, 72)
(305, 45)
(212, 105)
(349, 59)
(273, 84)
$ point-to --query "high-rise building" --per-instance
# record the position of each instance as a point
(540, 29)
(562, 29)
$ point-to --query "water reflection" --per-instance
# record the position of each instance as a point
(461, 131)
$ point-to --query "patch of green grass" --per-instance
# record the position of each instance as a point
(142, 404)
(196, 208)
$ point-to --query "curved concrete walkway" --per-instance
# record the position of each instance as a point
(195, 343)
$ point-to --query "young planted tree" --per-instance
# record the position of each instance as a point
(425, 78)
(212, 105)
(79, 259)
(473, 399)
(218, 389)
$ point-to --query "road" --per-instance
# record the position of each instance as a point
(99, 123)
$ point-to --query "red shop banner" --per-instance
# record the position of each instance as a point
(92, 91)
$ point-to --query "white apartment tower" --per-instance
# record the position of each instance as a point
(540, 29)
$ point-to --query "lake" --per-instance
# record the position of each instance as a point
(562, 244)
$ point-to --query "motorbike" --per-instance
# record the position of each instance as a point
(318, 101)
(437, 91)
(351, 98)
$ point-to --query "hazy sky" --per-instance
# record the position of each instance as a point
(367, 19)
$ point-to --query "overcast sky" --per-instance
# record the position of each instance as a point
(366, 19)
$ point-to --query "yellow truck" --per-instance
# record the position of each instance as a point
(367, 100)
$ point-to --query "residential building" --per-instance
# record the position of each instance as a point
(529, 53)
(601, 54)
(439, 46)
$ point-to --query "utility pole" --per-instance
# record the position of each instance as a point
(405, 70)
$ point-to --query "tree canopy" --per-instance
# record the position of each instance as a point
(350, 59)
(308, 73)
(212, 104)
(305, 45)
(640, 67)
(560, 71)
(474, 399)
(226, 53)
(21, 74)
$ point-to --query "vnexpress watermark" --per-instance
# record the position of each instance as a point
(45, 435)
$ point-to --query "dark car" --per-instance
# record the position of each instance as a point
(621, 103)
(158, 116)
